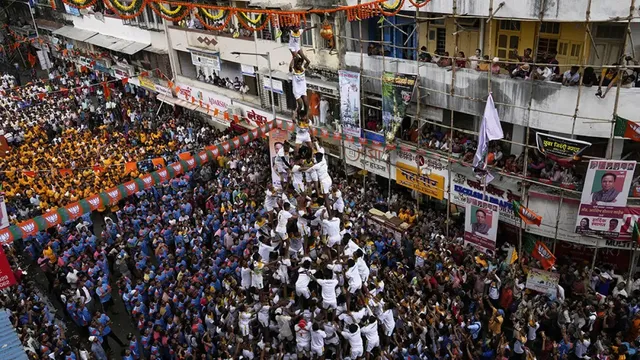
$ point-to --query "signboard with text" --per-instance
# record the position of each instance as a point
(463, 187)
(371, 158)
(481, 224)
(431, 185)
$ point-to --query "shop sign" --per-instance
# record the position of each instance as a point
(463, 187)
(371, 158)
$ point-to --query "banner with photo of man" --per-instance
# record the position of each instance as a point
(481, 224)
(350, 102)
(561, 148)
(397, 91)
(277, 140)
(604, 197)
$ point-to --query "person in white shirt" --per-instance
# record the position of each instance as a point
(473, 60)
(295, 34)
(387, 320)
(284, 324)
(244, 318)
(370, 332)
(283, 219)
(297, 177)
(338, 201)
(354, 336)
(328, 285)
(331, 229)
(353, 277)
(303, 338)
(304, 278)
(350, 247)
(245, 275)
(322, 170)
(317, 340)
(363, 269)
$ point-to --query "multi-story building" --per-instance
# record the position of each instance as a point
(448, 103)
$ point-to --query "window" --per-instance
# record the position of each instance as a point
(307, 36)
(439, 36)
(510, 25)
(550, 28)
(146, 20)
(610, 31)
(268, 32)
(507, 44)
(545, 46)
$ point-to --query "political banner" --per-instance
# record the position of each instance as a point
(604, 197)
(350, 102)
(431, 185)
(397, 90)
(560, 147)
(277, 139)
(6, 274)
(4, 219)
(481, 224)
(542, 281)
(542, 253)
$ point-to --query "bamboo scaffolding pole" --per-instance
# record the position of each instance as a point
(452, 92)
(416, 31)
(555, 236)
(583, 58)
(362, 122)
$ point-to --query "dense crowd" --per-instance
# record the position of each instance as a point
(221, 264)
(75, 141)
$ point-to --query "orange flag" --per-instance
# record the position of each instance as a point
(158, 163)
(544, 255)
(226, 115)
(98, 168)
(30, 173)
(130, 167)
(65, 172)
(32, 59)
(125, 80)
(185, 156)
(215, 112)
(236, 119)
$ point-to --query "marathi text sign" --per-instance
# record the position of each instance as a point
(543, 281)
(367, 158)
(432, 185)
(481, 224)
(559, 146)
(350, 102)
(6, 274)
(604, 197)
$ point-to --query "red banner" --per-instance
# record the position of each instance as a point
(6, 274)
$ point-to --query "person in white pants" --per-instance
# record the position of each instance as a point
(354, 336)
(317, 340)
(370, 332)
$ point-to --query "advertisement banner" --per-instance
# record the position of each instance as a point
(604, 197)
(463, 187)
(560, 147)
(350, 102)
(431, 185)
(542, 281)
(4, 219)
(372, 159)
(397, 90)
(195, 95)
(277, 138)
(481, 224)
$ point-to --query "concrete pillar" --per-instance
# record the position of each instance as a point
(518, 136)
(618, 144)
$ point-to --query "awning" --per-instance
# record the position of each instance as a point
(156, 50)
(74, 33)
(10, 345)
(175, 101)
(117, 44)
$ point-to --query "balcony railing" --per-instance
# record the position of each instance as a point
(241, 33)
(541, 105)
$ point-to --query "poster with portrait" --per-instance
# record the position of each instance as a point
(4, 218)
(604, 197)
(397, 91)
(481, 224)
(277, 138)
(350, 102)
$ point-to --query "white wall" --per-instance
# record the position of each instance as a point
(555, 103)
(114, 27)
(182, 39)
(558, 10)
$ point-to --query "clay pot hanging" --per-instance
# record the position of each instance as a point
(326, 31)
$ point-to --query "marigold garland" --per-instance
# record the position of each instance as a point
(80, 4)
(133, 7)
(263, 16)
(176, 14)
(419, 3)
(213, 27)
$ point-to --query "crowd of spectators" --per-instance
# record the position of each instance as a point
(235, 84)
(75, 141)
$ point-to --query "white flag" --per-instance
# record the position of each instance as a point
(490, 129)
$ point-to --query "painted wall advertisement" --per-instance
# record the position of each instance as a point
(481, 224)
(463, 187)
(350, 102)
(195, 95)
(604, 197)
(277, 138)
(371, 158)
